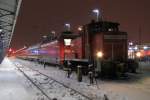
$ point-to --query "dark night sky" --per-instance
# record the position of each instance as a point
(39, 17)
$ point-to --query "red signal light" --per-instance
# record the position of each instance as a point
(10, 50)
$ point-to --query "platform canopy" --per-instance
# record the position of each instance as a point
(9, 10)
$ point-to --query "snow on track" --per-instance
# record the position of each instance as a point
(50, 87)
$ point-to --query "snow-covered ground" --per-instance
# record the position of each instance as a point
(50, 87)
(134, 89)
(14, 86)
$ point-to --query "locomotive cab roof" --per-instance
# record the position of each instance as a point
(102, 26)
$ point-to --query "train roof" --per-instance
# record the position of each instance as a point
(109, 23)
(34, 46)
(101, 26)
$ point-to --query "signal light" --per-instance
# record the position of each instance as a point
(10, 50)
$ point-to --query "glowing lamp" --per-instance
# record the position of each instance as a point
(67, 25)
(136, 48)
(138, 54)
(131, 43)
(99, 54)
(67, 42)
(130, 48)
(44, 36)
(1, 30)
(80, 28)
(53, 32)
(145, 47)
(10, 50)
(96, 11)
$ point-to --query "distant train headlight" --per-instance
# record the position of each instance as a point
(99, 54)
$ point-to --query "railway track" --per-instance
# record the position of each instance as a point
(50, 87)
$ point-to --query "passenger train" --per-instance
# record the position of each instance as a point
(98, 43)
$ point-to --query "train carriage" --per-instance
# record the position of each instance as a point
(49, 52)
(81, 48)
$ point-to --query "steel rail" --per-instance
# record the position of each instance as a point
(62, 84)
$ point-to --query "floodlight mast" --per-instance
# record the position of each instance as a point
(68, 27)
(96, 11)
(98, 14)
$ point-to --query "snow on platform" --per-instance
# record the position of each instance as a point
(115, 90)
(13, 85)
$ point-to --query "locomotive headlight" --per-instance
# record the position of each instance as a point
(67, 42)
(99, 54)
(138, 54)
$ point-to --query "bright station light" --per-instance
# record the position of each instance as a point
(135, 48)
(53, 32)
(96, 11)
(44, 36)
(130, 43)
(145, 47)
(130, 48)
(80, 28)
(67, 25)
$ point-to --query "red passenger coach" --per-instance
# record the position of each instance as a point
(55, 50)
(49, 52)
(68, 46)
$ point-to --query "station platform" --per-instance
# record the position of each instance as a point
(14, 86)
(12, 83)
